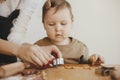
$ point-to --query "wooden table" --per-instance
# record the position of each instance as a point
(65, 72)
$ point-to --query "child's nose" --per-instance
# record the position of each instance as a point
(58, 27)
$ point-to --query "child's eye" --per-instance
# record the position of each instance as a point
(63, 23)
(51, 24)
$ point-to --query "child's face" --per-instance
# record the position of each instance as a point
(57, 24)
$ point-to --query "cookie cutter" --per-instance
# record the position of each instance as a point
(56, 62)
(104, 70)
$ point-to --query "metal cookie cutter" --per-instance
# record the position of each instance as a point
(105, 70)
(57, 61)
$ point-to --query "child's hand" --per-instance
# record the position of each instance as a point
(96, 59)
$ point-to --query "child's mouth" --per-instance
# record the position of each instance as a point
(58, 35)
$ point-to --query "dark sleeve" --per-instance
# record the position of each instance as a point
(84, 58)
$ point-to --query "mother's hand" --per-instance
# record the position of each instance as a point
(37, 55)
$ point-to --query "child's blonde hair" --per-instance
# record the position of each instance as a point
(58, 4)
(1, 1)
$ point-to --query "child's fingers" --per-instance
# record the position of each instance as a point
(94, 58)
(99, 60)
(102, 59)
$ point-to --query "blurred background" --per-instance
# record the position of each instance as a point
(96, 23)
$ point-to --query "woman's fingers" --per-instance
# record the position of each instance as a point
(37, 55)
(37, 61)
(56, 51)
(52, 50)
(46, 55)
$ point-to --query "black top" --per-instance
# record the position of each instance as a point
(5, 26)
